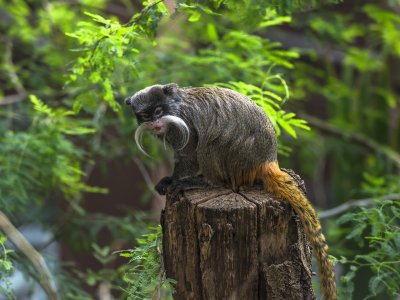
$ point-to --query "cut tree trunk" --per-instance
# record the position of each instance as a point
(218, 244)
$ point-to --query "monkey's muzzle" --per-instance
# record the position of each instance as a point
(157, 127)
(160, 126)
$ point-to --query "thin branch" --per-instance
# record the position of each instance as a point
(96, 142)
(10, 99)
(104, 291)
(142, 13)
(302, 42)
(12, 74)
(37, 260)
(367, 202)
(354, 137)
(146, 177)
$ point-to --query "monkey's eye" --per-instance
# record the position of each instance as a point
(144, 116)
(158, 112)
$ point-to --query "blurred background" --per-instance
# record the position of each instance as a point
(73, 182)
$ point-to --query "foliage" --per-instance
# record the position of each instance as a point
(146, 276)
(348, 68)
(44, 143)
(107, 52)
(46, 148)
(377, 229)
(6, 268)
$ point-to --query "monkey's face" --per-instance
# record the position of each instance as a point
(153, 116)
(152, 104)
(156, 108)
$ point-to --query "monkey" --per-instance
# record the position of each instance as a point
(222, 138)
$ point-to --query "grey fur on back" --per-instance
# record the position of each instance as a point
(232, 134)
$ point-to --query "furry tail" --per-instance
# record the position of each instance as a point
(283, 186)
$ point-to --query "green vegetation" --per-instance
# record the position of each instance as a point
(327, 66)
(6, 269)
(145, 277)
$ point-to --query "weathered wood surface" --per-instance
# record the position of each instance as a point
(224, 245)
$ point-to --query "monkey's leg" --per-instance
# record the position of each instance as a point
(175, 186)
(185, 177)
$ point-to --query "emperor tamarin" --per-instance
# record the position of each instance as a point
(221, 137)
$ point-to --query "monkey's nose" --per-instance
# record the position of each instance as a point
(128, 101)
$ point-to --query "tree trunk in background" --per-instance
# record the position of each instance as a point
(224, 245)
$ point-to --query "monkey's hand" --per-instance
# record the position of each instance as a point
(179, 185)
(163, 185)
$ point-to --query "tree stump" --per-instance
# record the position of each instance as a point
(218, 244)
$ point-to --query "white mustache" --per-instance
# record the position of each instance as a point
(167, 120)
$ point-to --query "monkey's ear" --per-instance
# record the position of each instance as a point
(128, 101)
(170, 89)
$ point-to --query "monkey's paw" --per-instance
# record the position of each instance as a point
(191, 183)
(163, 185)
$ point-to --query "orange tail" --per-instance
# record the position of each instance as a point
(283, 186)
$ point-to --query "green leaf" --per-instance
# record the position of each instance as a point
(194, 17)
(126, 254)
(286, 126)
(212, 32)
(98, 18)
(40, 106)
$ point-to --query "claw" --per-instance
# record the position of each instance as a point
(180, 185)
(163, 186)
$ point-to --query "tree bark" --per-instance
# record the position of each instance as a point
(218, 244)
